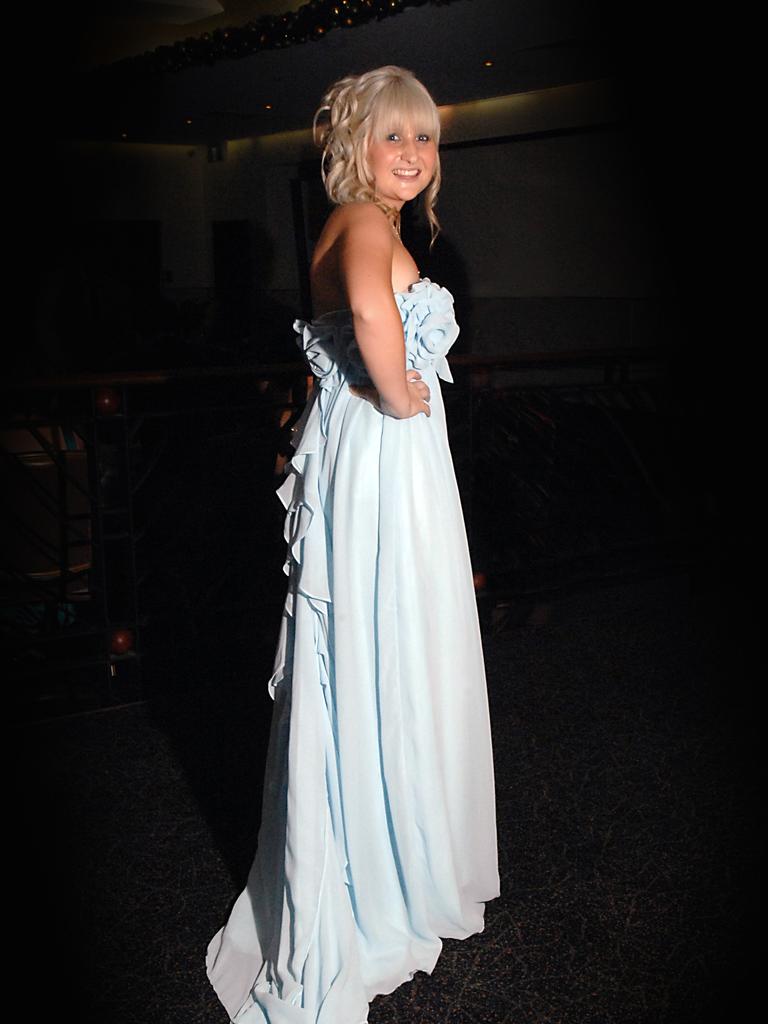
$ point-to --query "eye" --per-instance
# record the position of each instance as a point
(424, 137)
(393, 137)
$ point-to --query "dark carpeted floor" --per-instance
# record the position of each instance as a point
(625, 749)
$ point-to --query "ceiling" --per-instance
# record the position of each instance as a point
(532, 43)
(109, 30)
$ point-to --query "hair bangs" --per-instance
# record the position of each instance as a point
(402, 105)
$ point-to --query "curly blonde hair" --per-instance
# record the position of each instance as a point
(357, 107)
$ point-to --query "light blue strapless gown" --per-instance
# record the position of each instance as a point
(378, 831)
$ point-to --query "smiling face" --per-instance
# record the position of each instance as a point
(403, 136)
(401, 160)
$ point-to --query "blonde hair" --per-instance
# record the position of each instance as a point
(357, 107)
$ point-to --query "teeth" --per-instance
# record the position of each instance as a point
(406, 174)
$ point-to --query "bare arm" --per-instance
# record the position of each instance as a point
(365, 263)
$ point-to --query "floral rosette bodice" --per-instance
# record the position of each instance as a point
(429, 328)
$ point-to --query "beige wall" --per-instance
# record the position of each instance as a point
(563, 215)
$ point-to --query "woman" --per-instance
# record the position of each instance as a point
(378, 832)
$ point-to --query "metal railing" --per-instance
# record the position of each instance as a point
(141, 505)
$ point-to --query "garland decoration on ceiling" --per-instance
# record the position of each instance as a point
(311, 22)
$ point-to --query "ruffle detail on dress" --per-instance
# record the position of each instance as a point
(317, 340)
(307, 556)
(331, 350)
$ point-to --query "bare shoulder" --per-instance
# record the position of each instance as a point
(361, 217)
(352, 222)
